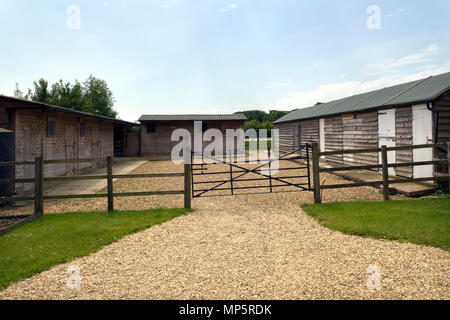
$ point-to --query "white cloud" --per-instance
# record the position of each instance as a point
(392, 65)
(230, 7)
(335, 91)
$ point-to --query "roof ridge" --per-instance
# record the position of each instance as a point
(406, 90)
(366, 98)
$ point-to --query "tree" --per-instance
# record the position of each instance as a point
(18, 93)
(41, 93)
(97, 97)
(67, 96)
(92, 96)
(257, 119)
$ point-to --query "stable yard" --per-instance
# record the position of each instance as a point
(242, 247)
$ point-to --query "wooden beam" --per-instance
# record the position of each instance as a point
(316, 172)
(385, 169)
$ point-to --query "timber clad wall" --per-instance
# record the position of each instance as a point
(286, 136)
(291, 138)
(159, 142)
(132, 144)
(404, 137)
(310, 131)
(65, 144)
(334, 137)
(4, 119)
(360, 132)
(443, 107)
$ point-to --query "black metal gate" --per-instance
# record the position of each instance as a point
(227, 179)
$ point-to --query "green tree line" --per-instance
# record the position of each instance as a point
(91, 96)
(257, 119)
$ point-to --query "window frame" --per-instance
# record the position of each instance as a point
(82, 129)
(151, 127)
(51, 133)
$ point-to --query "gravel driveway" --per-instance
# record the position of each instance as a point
(247, 247)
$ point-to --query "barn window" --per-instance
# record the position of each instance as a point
(151, 127)
(204, 127)
(51, 127)
(82, 129)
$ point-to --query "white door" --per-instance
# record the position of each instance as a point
(322, 135)
(422, 134)
(386, 135)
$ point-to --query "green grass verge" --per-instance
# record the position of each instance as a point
(59, 238)
(424, 222)
(247, 144)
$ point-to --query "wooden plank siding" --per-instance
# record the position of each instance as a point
(286, 137)
(360, 131)
(404, 137)
(310, 131)
(443, 133)
(334, 138)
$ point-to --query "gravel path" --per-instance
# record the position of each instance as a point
(247, 247)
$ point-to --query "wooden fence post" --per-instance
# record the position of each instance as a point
(38, 186)
(187, 177)
(384, 159)
(109, 173)
(316, 173)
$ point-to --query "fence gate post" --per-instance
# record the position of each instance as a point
(384, 160)
(110, 184)
(38, 186)
(316, 173)
(187, 177)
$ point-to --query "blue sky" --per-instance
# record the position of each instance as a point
(207, 56)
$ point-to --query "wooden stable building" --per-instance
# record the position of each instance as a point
(412, 113)
(31, 129)
(157, 130)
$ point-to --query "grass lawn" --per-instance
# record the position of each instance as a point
(59, 238)
(247, 144)
(420, 221)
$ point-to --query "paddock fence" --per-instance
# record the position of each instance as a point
(38, 180)
(384, 166)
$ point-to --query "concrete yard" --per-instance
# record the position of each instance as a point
(90, 186)
(410, 189)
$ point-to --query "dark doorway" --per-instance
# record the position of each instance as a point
(6, 155)
(119, 141)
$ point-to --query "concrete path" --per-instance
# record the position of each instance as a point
(410, 189)
(90, 186)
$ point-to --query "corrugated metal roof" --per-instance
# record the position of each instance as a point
(39, 105)
(418, 91)
(194, 117)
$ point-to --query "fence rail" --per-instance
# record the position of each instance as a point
(39, 180)
(385, 182)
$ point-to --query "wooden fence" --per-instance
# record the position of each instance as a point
(384, 166)
(39, 180)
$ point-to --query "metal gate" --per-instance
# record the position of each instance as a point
(218, 177)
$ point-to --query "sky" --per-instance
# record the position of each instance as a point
(218, 56)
